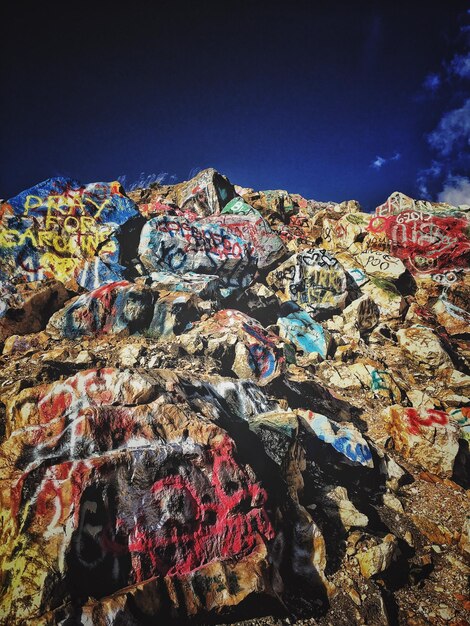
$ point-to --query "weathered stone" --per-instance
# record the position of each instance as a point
(253, 228)
(422, 345)
(110, 507)
(308, 336)
(391, 303)
(348, 513)
(381, 265)
(428, 237)
(125, 308)
(362, 314)
(434, 532)
(257, 354)
(345, 438)
(26, 308)
(204, 285)
(178, 245)
(63, 230)
(313, 279)
(205, 194)
(426, 437)
(464, 543)
(378, 558)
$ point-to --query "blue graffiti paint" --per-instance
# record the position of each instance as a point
(301, 330)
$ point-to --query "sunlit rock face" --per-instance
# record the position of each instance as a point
(219, 404)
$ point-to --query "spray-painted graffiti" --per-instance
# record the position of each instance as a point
(61, 229)
(258, 353)
(424, 417)
(426, 241)
(174, 244)
(307, 335)
(345, 438)
(93, 482)
(123, 307)
(257, 231)
(313, 279)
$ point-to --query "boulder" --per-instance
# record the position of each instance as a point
(313, 279)
(377, 558)
(422, 346)
(66, 231)
(308, 336)
(427, 437)
(250, 351)
(381, 265)
(27, 307)
(174, 244)
(207, 193)
(146, 496)
(343, 437)
(128, 308)
(253, 228)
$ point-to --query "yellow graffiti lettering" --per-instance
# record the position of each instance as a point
(50, 218)
(61, 244)
(28, 234)
(32, 202)
(84, 220)
(54, 203)
(45, 237)
(9, 238)
(99, 207)
(71, 224)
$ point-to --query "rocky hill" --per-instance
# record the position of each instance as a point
(223, 405)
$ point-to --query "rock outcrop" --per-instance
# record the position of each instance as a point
(222, 404)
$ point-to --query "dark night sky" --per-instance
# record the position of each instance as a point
(297, 95)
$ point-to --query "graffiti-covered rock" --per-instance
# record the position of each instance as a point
(251, 351)
(174, 244)
(145, 490)
(308, 336)
(219, 405)
(423, 346)
(428, 237)
(124, 307)
(314, 279)
(425, 436)
(257, 231)
(207, 193)
(64, 230)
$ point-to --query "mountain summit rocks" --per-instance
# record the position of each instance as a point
(222, 404)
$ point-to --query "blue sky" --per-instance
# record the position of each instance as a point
(333, 100)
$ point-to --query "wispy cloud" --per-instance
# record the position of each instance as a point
(446, 179)
(456, 191)
(427, 175)
(432, 82)
(453, 130)
(379, 161)
(460, 65)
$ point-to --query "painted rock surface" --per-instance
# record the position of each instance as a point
(142, 489)
(223, 405)
(313, 279)
(251, 351)
(426, 436)
(123, 307)
(64, 230)
(176, 245)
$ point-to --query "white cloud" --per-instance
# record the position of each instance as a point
(456, 191)
(452, 131)
(379, 161)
